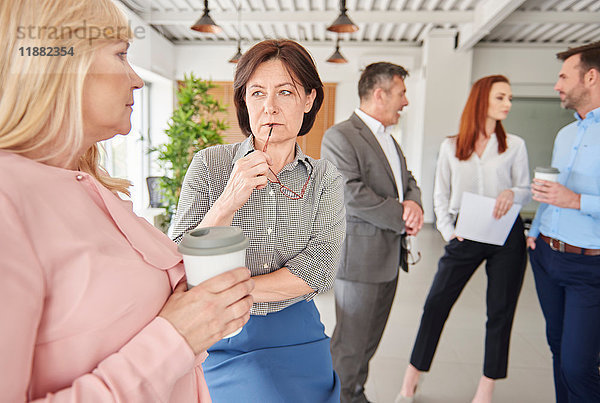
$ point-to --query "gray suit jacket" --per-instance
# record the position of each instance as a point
(372, 249)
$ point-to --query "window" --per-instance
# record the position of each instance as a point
(127, 156)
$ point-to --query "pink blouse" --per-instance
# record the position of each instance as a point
(82, 280)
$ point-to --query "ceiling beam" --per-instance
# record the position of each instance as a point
(246, 42)
(488, 14)
(553, 17)
(424, 17)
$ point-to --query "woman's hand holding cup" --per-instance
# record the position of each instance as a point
(214, 308)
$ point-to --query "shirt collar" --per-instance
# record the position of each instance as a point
(247, 146)
(591, 116)
(373, 124)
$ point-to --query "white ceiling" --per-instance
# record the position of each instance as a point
(531, 22)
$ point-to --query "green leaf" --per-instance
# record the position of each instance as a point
(192, 127)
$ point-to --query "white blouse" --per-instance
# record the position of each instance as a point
(486, 176)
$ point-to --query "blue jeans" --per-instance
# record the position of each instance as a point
(568, 287)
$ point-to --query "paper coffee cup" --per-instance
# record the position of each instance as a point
(547, 173)
(210, 251)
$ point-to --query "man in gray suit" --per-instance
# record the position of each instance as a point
(383, 205)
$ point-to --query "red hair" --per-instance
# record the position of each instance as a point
(472, 121)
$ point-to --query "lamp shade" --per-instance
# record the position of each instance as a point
(342, 24)
(206, 23)
(337, 57)
(236, 58)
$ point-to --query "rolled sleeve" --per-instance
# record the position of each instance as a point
(318, 262)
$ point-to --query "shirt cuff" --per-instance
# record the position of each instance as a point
(446, 231)
(590, 204)
(522, 196)
(533, 232)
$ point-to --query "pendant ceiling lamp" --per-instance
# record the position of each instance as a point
(337, 57)
(206, 23)
(236, 58)
(343, 23)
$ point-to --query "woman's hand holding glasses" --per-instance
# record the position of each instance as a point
(249, 173)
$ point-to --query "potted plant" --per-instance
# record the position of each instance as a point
(192, 127)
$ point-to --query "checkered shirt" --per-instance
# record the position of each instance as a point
(304, 235)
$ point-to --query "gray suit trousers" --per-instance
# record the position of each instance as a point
(362, 310)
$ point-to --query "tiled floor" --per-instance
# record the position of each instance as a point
(459, 358)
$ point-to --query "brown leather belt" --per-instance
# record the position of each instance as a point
(561, 246)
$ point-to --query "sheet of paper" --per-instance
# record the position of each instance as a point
(476, 222)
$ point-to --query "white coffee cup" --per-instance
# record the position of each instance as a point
(210, 251)
(547, 173)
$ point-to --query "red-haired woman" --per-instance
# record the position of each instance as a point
(485, 160)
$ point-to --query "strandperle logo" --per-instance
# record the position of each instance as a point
(82, 31)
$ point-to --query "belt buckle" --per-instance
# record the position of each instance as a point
(561, 245)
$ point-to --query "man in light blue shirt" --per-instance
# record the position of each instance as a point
(564, 238)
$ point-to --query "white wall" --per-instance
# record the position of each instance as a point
(150, 50)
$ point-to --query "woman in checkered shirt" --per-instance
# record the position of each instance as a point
(291, 208)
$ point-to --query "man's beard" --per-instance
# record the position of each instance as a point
(574, 99)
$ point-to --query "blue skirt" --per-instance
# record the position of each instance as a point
(281, 357)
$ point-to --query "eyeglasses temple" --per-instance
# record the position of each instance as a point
(268, 137)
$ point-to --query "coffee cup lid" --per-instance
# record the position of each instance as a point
(547, 170)
(210, 241)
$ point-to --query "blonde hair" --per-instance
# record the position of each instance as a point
(41, 108)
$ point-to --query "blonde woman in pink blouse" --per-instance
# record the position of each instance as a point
(92, 303)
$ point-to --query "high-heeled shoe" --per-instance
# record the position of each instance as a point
(404, 399)
(410, 399)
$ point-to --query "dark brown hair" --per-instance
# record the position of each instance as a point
(299, 64)
(472, 121)
(378, 74)
(589, 54)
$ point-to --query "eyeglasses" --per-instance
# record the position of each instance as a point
(286, 191)
(408, 245)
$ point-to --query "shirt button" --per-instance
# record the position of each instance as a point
(269, 230)
(265, 266)
(79, 177)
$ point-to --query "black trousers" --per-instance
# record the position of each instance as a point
(505, 268)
